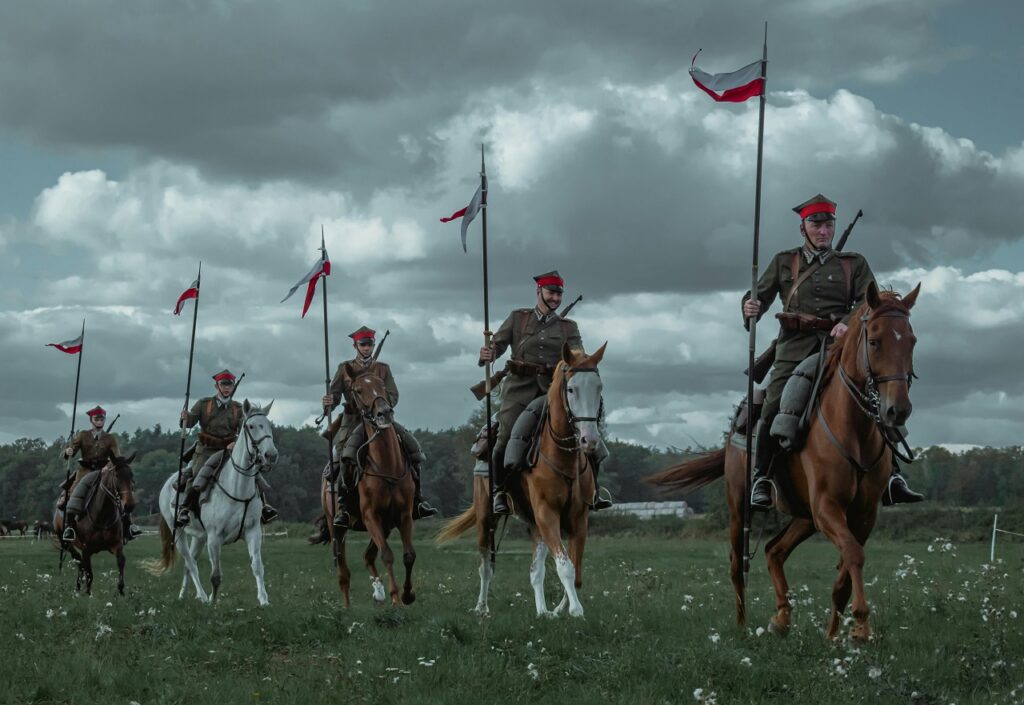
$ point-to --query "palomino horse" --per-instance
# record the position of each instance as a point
(835, 482)
(101, 525)
(385, 491)
(555, 490)
(231, 513)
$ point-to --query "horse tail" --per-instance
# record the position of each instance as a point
(167, 554)
(457, 526)
(692, 474)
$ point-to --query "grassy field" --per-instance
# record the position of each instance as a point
(658, 629)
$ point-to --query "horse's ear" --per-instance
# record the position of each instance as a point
(267, 410)
(596, 358)
(910, 299)
(567, 356)
(131, 458)
(246, 407)
(871, 295)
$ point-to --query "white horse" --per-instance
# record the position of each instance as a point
(231, 513)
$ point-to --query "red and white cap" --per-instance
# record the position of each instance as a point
(550, 280)
(223, 374)
(96, 411)
(816, 209)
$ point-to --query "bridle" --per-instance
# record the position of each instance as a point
(869, 400)
(252, 447)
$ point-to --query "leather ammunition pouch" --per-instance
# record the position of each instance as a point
(522, 368)
(216, 442)
(804, 322)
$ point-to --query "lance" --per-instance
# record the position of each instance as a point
(71, 438)
(327, 372)
(184, 409)
(753, 320)
(492, 519)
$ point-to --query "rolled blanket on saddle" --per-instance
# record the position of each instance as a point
(413, 452)
(525, 432)
(789, 425)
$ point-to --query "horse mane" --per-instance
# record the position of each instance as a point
(891, 300)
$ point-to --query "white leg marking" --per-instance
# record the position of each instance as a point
(567, 574)
(254, 540)
(540, 554)
(485, 584)
(379, 594)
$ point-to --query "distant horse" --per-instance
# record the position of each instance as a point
(42, 529)
(231, 513)
(101, 525)
(835, 482)
(555, 490)
(385, 492)
(12, 525)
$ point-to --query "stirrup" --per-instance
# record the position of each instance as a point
(268, 514)
(501, 506)
(600, 502)
(423, 510)
(761, 502)
(183, 517)
(904, 495)
(69, 535)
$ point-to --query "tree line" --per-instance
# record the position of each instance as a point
(32, 469)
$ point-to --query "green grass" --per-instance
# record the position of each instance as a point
(659, 625)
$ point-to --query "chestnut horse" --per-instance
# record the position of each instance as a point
(835, 482)
(101, 526)
(385, 491)
(555, 490)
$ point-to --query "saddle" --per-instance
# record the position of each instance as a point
(356, 448)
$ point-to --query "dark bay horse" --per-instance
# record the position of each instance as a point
(101, 525)
(385, 492)
(835, 482)
(555, 490)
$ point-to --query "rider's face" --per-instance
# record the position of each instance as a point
(364, 347)
(819, 233)
(224, 387)
(97, 421)
(548, 300)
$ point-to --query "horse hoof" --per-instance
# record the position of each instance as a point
(778, 628)
(481, 611)
(547, 614)
(860, 634)
(409, 598)
(576, 613)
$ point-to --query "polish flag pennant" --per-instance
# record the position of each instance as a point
(469, 212)
(321, 268)
(190, 293)
(68, 346)
(735, 87)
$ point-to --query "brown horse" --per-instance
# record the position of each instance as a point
(835, 482)
(385, 492)
(555, 491)
(101, 525)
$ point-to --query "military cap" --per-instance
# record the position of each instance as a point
(550, 280)
(96, 411)
(816, 209)
(362, 334)
(224, 374)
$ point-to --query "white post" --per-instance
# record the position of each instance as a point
(992, 554)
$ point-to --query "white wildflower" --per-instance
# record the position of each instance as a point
(533, 671)
(102, 630)
(759, 631)
(745, 661)
(50, 613)
(714, 638)
(874, 673)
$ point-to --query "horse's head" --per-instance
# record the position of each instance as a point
(120, 469)
(885, 352)
(259, 434)
(579, 384)
(371, 399)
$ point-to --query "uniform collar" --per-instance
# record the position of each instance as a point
(821, 255)
(95, 434)
(222, 401)
(542, 317)
(365, 361)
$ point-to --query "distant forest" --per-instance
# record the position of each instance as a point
(31, 470)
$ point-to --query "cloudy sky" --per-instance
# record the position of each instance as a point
(137, 140)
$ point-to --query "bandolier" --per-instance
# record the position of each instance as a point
(535, 337)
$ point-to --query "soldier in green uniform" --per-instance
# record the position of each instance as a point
(363, 341)
(535, 336)
(97, 448)
(820, 288)
(220, 419)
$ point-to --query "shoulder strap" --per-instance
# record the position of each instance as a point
(235, 409)
(792, 297)
(209, 410)
(848, 274)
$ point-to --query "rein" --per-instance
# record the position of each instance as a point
(869, 402)
(368, 418)
(114, 495)
(252, 447)
(569, 443)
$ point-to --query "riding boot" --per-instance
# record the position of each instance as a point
(268, 514)
(761, 483)
(185, 479)
(421, 508)
(340, 515)
(188, 502)
(898, 492)
(129, 528)
(599, 502)
(501, 499)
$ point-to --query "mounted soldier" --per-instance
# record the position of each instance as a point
(97, 448)
(819, 287)
(365, 362)
(220, 420)
(535, 336)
